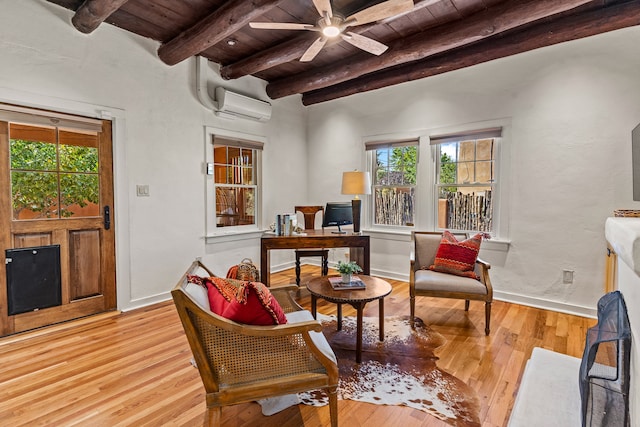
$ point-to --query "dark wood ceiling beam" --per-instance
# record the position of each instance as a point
(268, 58)
(494, 20)
(222, 23)
(561, 30)
(291, 50)
(92, 13)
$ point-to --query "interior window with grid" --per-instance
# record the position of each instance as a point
(466, 180)
(394, 182)
(236, 184)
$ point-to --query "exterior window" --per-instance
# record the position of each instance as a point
(235, 185)
(394, 181)
(54, 172)
(465, 184)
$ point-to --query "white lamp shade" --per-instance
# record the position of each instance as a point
(356, 182)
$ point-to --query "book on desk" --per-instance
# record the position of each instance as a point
(355, 283)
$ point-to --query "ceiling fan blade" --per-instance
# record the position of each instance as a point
(323, 7)
(313, 50)
(364, 43)
(380, 11)
(280, 26)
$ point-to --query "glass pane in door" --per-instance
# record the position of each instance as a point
(79, 181)
(34, 195)
(79, 195)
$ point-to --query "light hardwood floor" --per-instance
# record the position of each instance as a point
(133, 369)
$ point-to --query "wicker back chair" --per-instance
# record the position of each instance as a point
(242, 363)
(429, 283)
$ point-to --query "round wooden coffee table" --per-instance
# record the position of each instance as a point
(376, 289)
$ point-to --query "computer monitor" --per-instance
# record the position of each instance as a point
(337, 213)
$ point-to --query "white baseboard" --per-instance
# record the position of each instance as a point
(287, 265)
(390, 275)
(147, 301)
(544, 304)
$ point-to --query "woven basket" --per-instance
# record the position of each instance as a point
(630, 213)
(246, 270)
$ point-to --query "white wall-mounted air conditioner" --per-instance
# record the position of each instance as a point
(231, 104)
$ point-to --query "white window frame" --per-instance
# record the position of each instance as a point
(242, 231)
(500, 231)
(371, 148)
(426, 217)
(423, 182)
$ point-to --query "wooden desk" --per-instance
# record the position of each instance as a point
(358, 243)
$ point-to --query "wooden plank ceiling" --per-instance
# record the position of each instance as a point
(434, 37)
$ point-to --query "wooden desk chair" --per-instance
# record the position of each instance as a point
(309, 213)
(427, 283)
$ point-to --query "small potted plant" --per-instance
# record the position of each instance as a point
(346, 269)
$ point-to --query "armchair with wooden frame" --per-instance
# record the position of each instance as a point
(242, 363)
(427, 283)
(309, 214)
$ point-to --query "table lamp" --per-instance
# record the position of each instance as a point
(356, 183)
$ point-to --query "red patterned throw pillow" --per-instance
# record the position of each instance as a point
(456, 257)
(244, 302)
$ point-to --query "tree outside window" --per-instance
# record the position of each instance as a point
(394, 185)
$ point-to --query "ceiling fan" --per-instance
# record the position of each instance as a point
(332, 25)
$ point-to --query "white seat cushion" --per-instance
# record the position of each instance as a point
(427, 280)
(199, 294)
(317, 337)
(549, 393)
(273, 405)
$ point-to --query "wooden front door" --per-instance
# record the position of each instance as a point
(57, 189)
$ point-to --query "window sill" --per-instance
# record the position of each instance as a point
(496, 245)
(234, 236)
(499, 245)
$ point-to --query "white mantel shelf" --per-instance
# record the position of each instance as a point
(623, 234)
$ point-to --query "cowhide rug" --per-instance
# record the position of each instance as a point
(401, 370)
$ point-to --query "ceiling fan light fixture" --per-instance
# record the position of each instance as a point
(331, 31)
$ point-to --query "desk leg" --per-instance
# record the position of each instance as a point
(264, 263)
(314, 305)
(381, 316)
(360, 309)
(367, 258)
(339, 317)
(361, 256)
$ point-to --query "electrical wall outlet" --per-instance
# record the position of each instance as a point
(567, 276)
(142, 190)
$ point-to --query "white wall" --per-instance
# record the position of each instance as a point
(571, 109)
(159, 141)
